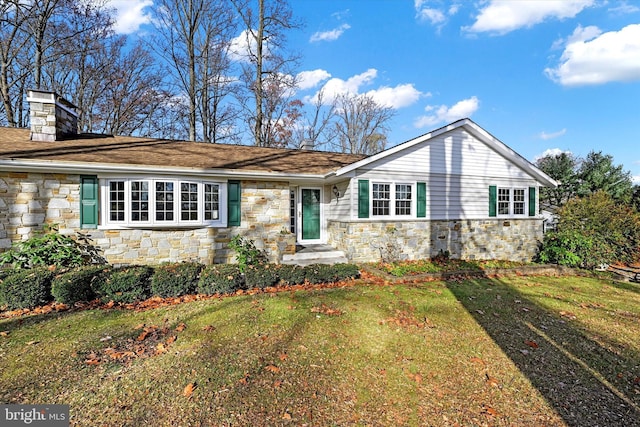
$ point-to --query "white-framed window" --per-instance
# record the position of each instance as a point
(392, 199)
(381, 199)
(512, 201)
(162, 202)
(403, 199)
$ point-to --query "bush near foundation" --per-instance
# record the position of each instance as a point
(175, 279)
(261, 276)
(126, 285)
(291, 274)
(220, 279)
(79, 284)
(26, 289)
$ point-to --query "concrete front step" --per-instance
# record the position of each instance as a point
(315, 254)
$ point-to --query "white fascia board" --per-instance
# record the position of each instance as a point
(44, 166)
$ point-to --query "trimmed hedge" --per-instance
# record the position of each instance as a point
(26, 289)
(79, 284)
(126, 285)
(261, 276)
(220, 279)
(176, 279)
(291, 274)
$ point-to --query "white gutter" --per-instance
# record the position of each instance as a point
(48, 166)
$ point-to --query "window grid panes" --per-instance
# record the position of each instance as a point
(381, 199)
(164, 201)
(518, 201)
(504, 196)
(189, 201)
(403, 199)
(211, 202)
(139, 201)
(116, 201)
(292, 211)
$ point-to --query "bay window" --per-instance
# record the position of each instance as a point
(162, 202)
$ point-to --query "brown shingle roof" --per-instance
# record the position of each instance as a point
(126, 150)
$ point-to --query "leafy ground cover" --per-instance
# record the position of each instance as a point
(544, 351)
(442, 265)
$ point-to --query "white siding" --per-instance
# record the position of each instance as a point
(458, 170)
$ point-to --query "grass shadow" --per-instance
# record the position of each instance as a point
(585, 382)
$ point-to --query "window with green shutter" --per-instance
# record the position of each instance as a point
(493, 200)
(234, 196)
(532, 201)
(363, 198)
(88, 201)
(421, 208)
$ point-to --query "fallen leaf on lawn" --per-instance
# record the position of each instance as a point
(209, 328)
(160, 348)
(277, 384)
(283, 356)
(33, 342)
(272, 368)
(171, 340)
(486, 409)
(531, 344)
(4, 333)
(478, 361)
(139, 326)
(492, 381)
(245, 379)
(107, 338)
(181, 327)
(93, 362)
(286, 416)
(188, 390)
(568, 315)
(480, 312)
(142, 336)
(324, 309)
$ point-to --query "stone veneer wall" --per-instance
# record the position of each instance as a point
(29, 200)
(511, 239)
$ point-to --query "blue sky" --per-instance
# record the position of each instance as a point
(539, 75)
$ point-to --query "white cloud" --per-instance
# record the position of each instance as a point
(130, 14)
(501, 16)
(550, 152)
(329, 35)
(624, 8)
(434, 12)
(635, 179)
(444, 114)
(396, 97)
(352, 85)
(591, 57)
(546, 136)
(311, 79)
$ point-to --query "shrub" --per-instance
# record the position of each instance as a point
(291, 274)
(79, 284)
(261, 276)
(346, 271)
(126, 285)
(26, 289)
(320, 273)
(247, 253)
(173, 280)
(593, 231)
(220, 278)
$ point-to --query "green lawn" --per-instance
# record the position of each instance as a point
(534, 351)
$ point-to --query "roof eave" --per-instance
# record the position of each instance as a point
(44, 166)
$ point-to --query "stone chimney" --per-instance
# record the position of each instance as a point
(52, 117)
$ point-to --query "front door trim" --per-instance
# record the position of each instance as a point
(302, 210)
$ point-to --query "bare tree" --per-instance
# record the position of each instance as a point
(266, 66)
(194, 42)
(361, 124)
(314, 125)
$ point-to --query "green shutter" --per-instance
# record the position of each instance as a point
(493, 200)
(421, 208)
(363, 198)
(532, 201)
(233, 203)
(88, 202)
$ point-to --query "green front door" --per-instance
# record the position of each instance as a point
(310, 214)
